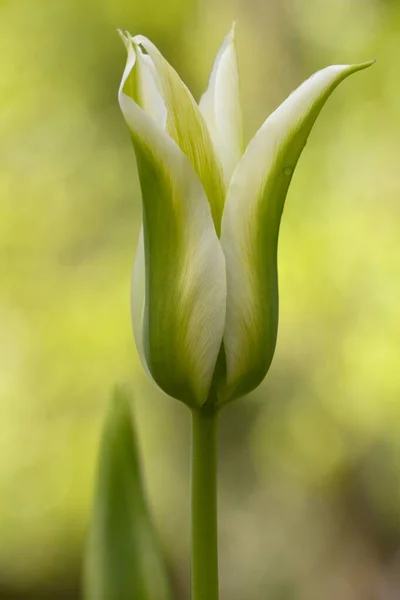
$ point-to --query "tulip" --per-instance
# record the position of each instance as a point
(205, 284)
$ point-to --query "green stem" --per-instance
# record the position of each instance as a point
(204, 506)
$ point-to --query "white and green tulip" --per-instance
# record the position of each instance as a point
(205, 285)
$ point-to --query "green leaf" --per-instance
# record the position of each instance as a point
(183, 315)
(123, 557)
(250, 228)
(221, 108)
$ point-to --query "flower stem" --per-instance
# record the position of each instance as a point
(204, 506)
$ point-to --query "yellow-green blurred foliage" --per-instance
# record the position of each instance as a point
(310, 464)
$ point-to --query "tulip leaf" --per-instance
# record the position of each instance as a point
(185, 283)
(221, 108)
(123, 557)
(250, 227)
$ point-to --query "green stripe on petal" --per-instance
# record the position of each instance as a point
(185, 281)
(221, 108)
(185, 125)
(250, 228)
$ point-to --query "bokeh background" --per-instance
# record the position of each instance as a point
(310, 463)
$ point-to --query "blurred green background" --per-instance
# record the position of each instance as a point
(310, 463)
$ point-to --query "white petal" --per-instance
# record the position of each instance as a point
(144, 87)
(221, 108)
(185, 281)
(185, 125)
(250, 228)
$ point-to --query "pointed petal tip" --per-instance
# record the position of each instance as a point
(123, 37)
(366, 64)
(354, 68)
(230, 37)
(126, 38)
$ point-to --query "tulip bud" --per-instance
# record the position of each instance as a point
(205, 285)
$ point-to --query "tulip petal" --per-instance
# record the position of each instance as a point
(185, 281)
(138, 299)
(250, 229)
(143, 86)
(185, 125)
(221, 108)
